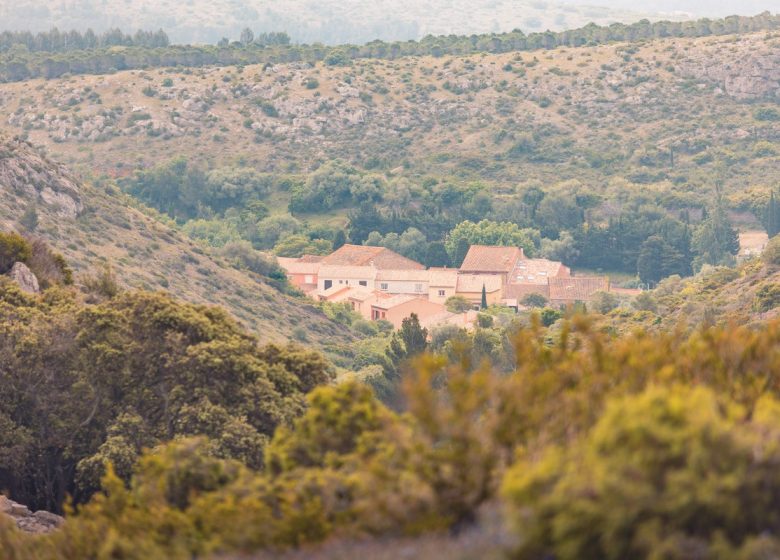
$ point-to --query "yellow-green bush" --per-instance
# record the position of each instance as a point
(647, 445)
(665, 473)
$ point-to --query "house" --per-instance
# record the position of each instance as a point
(380, 258)
(442, 284)
(361, 300)
(514, 294)
(470, 287)
(494, 261)
(409, 281)
(381, 284)
(301, 273)
(334, 294)
(397, 308)
(537, 271)
(565, 291)
(345, 275)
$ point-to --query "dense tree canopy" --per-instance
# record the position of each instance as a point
(83, 384)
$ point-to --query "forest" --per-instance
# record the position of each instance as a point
(436, 221)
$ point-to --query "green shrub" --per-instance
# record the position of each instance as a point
(13, 248)
(771, 254)
(767, 297)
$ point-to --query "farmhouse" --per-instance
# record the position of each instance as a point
(383, 285)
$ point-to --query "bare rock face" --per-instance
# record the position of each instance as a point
(25, 278)
(25, 171)
(751, 77)
(27, 521)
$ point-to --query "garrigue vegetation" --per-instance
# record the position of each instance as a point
(602, 447)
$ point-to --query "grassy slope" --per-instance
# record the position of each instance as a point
(146, 253)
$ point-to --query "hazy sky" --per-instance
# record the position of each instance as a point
(708, 8)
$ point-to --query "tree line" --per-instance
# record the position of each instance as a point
(56, 41)
(15, 65)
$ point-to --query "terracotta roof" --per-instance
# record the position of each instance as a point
(334, 291)
(536, 271)
(404, 275)
(576, 288)
(472, 283)
(333, 271)
(394, 301)
(362, 255)
(443, 277)
(363, 294)
(294, 266)
(521, 291)
(311, 258)
(482, 258)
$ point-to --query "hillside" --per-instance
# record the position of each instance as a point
(330, 22)
(91, 226)
(588, 113)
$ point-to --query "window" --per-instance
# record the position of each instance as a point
(383, 286)
(418, 288)
(442, 293)
(363, 282)
(308, 279)
(328, 284)
(341, 281)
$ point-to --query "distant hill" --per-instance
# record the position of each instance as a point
(327, 21)
(590, 113)
(91, 226)
(697, 8)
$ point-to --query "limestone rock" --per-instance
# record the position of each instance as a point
(25, 278)
(38, 522)
(23, 170)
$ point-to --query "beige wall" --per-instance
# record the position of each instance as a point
(433, 294)
(403, 287)
(476, 298)
(351, 281)
(363, 307)
(422, 307)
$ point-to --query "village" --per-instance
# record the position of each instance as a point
(380, 284)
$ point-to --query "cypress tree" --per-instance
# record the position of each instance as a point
(484, 297)
(772, 221)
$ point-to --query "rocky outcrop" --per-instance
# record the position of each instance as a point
(751, 77)
(25, 278)
(27, 521)
(25, 171)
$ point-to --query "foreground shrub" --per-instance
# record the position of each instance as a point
(13, 248)
(670, 473)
